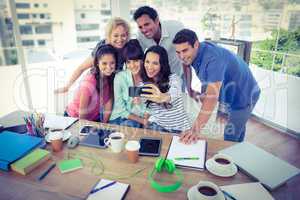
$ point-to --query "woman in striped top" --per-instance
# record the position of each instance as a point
(165, 101)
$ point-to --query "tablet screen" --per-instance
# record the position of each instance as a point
(150, 146)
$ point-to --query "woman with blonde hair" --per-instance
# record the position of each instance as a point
(117, 35)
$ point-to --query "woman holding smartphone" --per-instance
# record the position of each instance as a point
(128, 110)
(165, 101)
(95, 90)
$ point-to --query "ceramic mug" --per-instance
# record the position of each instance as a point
(205, 190)
(115, 141)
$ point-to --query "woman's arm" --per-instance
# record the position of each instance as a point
(83, 106)
(88, 63)
(107, 110)
(159, 97)
(138, 119)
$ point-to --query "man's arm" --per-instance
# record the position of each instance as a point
(188, 81)
(88, 63)
(209, 102)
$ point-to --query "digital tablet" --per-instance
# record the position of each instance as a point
(150, 146)
(96, 139)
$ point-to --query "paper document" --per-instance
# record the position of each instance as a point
(58, 122)
(109, 191)
(188, 156)
(248, 191)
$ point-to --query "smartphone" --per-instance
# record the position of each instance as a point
(137, 91)
(150, 146)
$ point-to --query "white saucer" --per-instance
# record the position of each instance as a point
(66, 136)
(193, 190)
(220, 172)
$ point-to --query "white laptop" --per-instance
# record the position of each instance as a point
(263, 166)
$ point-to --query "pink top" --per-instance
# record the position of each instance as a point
(88, 88)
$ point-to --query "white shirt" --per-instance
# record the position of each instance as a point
(168, 31)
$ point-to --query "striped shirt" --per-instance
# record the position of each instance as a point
(173, 117)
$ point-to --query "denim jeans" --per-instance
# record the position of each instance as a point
(154, 126)
(235, 129)
(126, 122)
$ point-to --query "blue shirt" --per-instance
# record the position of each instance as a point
(214, 63)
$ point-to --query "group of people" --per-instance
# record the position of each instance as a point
(160, 60)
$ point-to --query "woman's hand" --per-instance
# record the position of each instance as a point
(155, 94)
(61, 90)
(136, 100)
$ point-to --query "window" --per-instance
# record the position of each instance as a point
(36, 5)
(45, 5)
(88, 39)
(43, 29)
(23, 16)
(22, 5)
(33, 15)
(82, 15)
(42, 16)
(41, 42)
(87, 27)
(25, 29)
(27, 42)
(105, 12)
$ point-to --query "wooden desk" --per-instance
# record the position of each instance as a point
(77, 184)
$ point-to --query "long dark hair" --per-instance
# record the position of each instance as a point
(162, 79)
(100, 78)
(133, 50)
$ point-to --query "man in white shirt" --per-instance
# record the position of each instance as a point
(154, 32)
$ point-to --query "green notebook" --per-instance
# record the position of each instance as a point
(30, 161)
(69, 165)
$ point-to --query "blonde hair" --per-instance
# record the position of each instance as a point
(112, 24)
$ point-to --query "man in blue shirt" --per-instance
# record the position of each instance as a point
(224, 77)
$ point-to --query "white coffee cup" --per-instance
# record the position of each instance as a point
(205, 190)
(115, 141)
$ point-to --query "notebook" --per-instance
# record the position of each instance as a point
(248, 191)
(263, 166)
(14, 146)
(187, 153)
(58, 122)
(13, 119)
(69, 165)
(30, 161)
(116, 191)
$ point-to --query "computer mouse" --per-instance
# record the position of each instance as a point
(73, 142)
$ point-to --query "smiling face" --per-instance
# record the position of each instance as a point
(107, 64)
(186, 52)
(152, 65)
(119, 37)
(134, 66)
(147, 26)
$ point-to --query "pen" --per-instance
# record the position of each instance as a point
(44, 174)
(186, 158)
(103, 187)
(228, 195)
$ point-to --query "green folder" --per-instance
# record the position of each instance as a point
(30, 161)
(69, 165)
